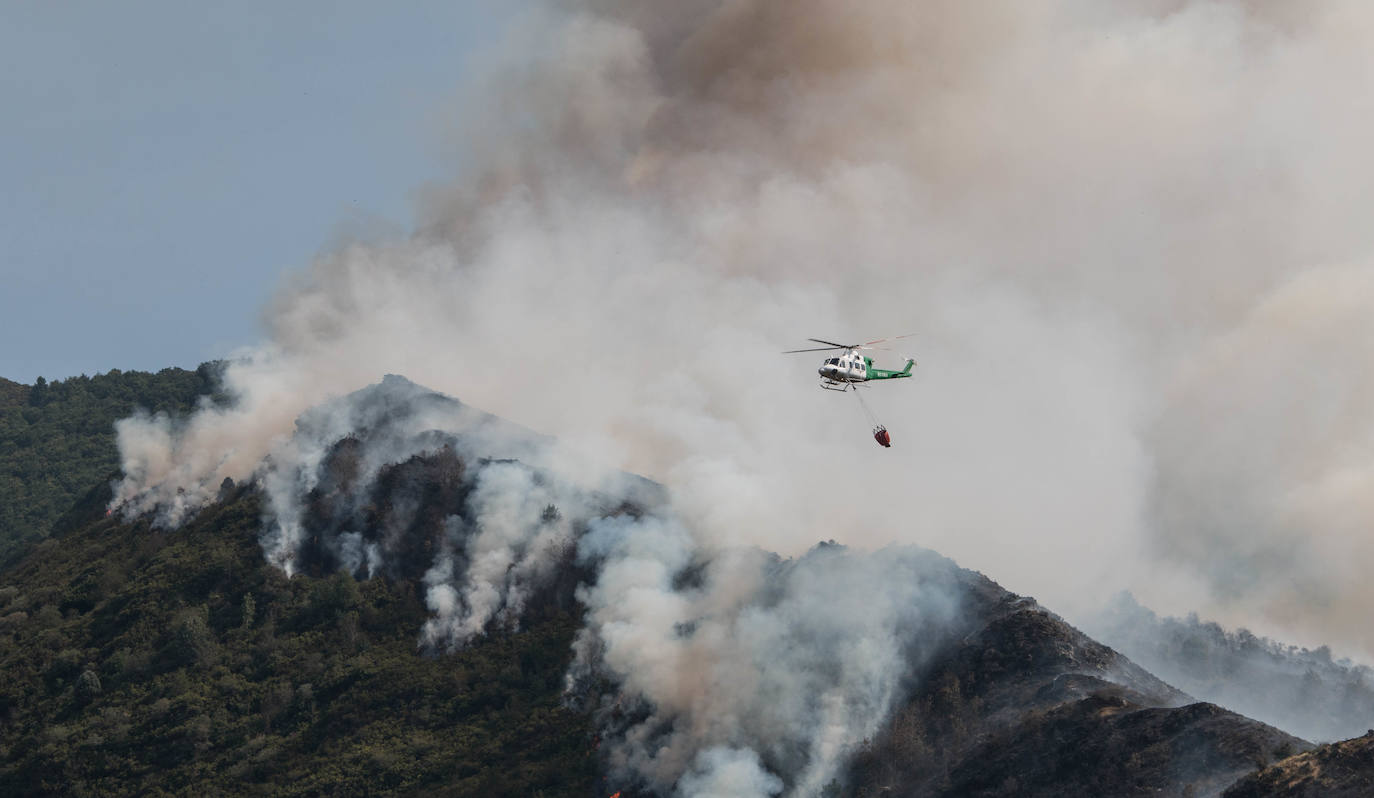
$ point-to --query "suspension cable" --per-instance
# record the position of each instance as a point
(868, 412)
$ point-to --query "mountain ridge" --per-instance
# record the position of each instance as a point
(186, 657)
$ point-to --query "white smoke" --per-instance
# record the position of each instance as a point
(393, 418)
(792, 664)
(517, 539)
(1129, 237)
(729, 773)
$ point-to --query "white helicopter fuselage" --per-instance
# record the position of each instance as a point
(849, 367)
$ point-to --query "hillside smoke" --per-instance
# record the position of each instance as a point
(517, 538)
(1130, 239)
(397, 481)
(762, 667)
(710, 670)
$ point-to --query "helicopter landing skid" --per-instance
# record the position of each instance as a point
(829, 385)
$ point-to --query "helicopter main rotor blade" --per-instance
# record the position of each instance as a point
(832, 345)
(881, 340)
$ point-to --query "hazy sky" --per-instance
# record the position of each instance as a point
(164, 163)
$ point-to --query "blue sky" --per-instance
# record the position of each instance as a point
(164, 164)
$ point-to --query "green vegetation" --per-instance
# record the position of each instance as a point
(57, 440)
(155, 662)
(149, 662)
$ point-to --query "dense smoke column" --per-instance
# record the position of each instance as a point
(1130, 240)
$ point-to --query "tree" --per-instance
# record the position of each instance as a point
(87, 685)
(38, 395)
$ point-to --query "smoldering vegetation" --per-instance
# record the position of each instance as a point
(724, 671)
(711, 669)
(1303, 691)
(397, 481)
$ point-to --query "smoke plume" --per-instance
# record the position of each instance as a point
(1129, 238)
(711, 670)
(785, 664)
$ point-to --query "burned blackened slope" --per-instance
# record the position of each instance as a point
(1028, 658)
(479, 516)
(1108, 744)
(372, 482)
(1028, 705)
(391, 525)
(1338, 770)
(397, 524)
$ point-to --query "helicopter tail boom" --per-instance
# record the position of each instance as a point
(884, 374)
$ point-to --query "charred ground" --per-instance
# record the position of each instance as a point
(1026, 705)
(1337, 770)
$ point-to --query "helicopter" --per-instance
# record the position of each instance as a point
(852, 369)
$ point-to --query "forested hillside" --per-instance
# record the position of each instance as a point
(57, 439)
(150, 662)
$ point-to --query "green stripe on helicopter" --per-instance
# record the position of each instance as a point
(887, 374)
